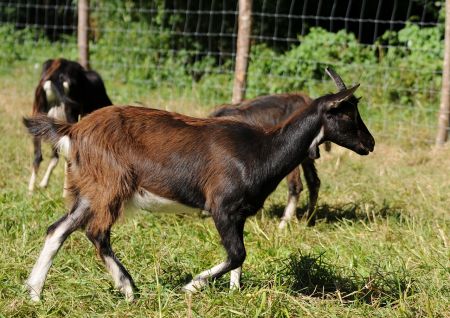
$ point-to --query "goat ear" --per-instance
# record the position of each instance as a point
(334, 100)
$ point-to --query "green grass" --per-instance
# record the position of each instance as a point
(380, 248)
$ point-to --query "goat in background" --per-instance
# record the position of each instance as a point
(121, 155)
(267, 112)
(66, 91)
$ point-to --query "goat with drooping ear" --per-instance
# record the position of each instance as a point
(121, 155)
(66, 91)
(267, 112)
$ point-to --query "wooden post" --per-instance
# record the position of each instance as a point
(83, 30)
(243, 50)
(444, 112)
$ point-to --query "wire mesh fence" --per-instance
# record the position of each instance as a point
(180, 54)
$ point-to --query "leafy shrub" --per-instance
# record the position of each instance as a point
(413, 57)
(400, 68)
(263, 70)
(306, 61)
(30, 45)
(16, 45)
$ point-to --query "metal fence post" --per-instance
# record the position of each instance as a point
(243, 50)
(444, 112)
(83, 30)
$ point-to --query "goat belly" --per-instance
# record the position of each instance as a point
(151, 202)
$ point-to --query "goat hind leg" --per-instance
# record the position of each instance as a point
(295, 187)
(122, 279)
(36, 163)
(57, 233)
(51, 166)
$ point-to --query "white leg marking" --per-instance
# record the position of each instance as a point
(66, 86)
(289, 211)
(235, 278)
(205, 213)
(49, 91)
(201, 279)
(65, 191)
(48, 173)
(58, 112)
(53, 242)
(120, 280)
(37, 277)
(32, 181)
(63, 145)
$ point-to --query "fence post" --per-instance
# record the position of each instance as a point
(83, 29)
(242, 51)
(444, 112)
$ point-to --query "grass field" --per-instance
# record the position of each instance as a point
(380, 249)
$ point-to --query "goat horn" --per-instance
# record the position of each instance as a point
(336, 78)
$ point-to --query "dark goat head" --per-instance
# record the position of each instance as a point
(342, 123)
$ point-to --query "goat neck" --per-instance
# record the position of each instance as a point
(291, 141)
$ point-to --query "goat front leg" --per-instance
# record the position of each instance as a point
(51, 166)
(36, 163)
(122, 279)
(295, 187)
(235, 278)
(313, 183)
(231, 231)
(66, 184)
(57, 233)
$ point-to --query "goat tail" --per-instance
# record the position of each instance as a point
(50, 129)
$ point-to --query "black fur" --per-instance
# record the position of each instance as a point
(269, 111)
(84, 93)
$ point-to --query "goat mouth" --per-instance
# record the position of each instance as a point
(364, 150)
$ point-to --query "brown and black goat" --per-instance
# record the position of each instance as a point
(146, 156)
(267, 112)
(66, 91)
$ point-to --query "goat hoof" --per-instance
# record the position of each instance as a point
(194, 286)
(205, 214)
(35, 298)
(34, 295)
(282, 224)
(129, 297)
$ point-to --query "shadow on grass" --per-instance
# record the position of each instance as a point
(311, 275)
(349, 211)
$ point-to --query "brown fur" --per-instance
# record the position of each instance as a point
(107, 163)
(223, 166)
